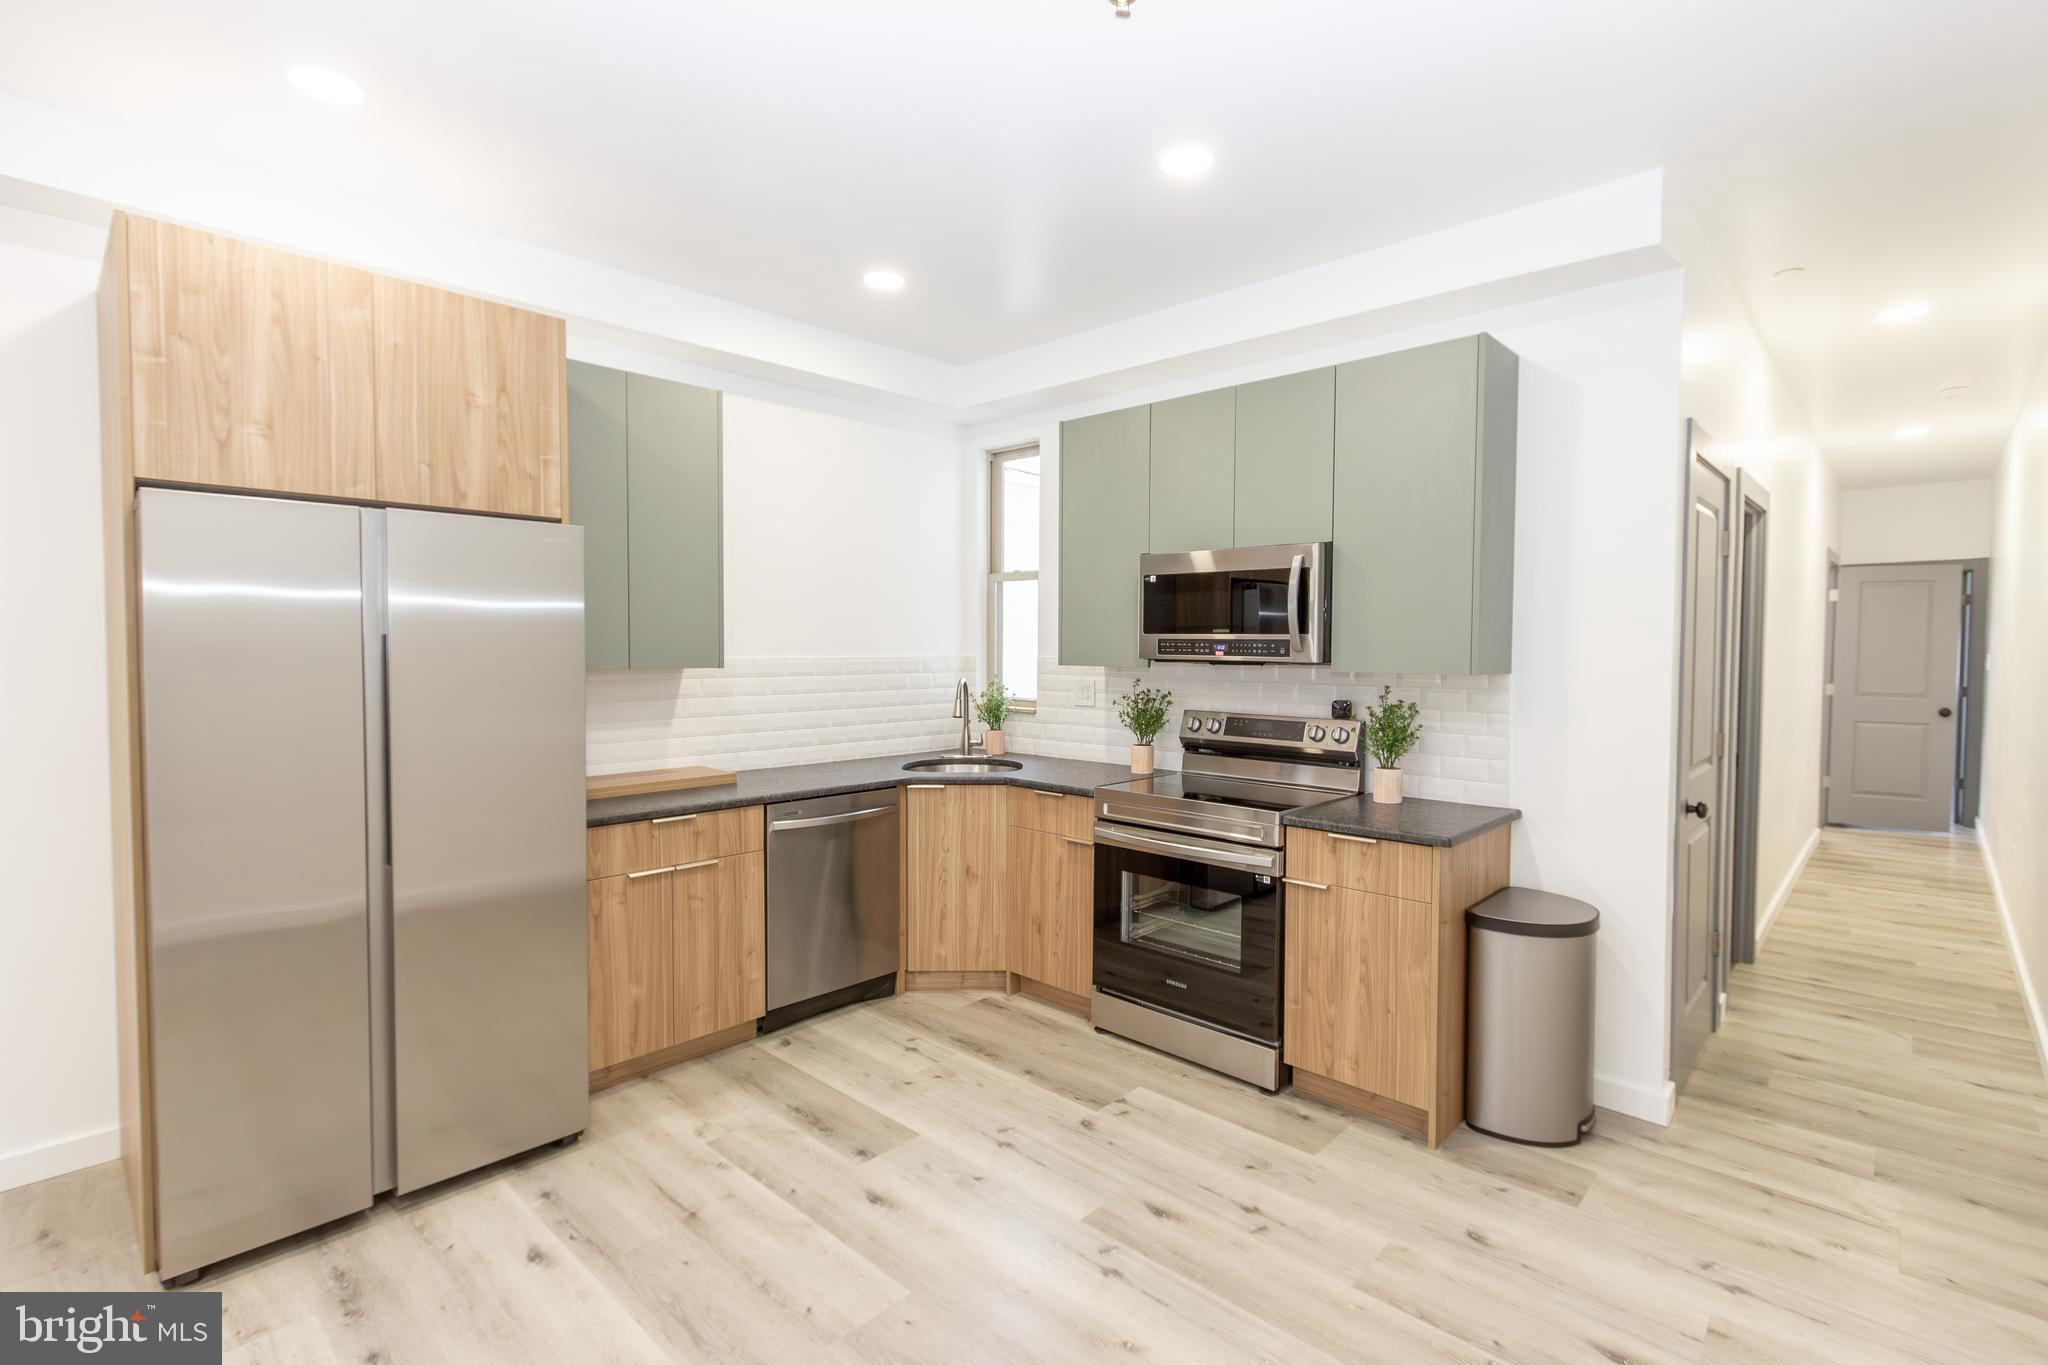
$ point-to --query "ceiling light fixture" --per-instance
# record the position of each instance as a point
(1911, 433)
(1952, 391)
(1789, 272)
(1903, 312)
(329, 87)
(1183, 162)
(885, 281)
(1123, 7)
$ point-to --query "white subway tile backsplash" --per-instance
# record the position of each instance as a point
(1462, 755)
(770, 713)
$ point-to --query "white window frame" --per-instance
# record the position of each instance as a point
(997, 575)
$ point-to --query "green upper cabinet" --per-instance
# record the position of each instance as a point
(645, 483)
(676, 614)
(1194, 452)
(1284, 446)
(1423, 507)
(597, 503)
(1105, 470)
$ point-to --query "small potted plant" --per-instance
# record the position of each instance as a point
(1143, 711)
(1391, 730)
(993, 708)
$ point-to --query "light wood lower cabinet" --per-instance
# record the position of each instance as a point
(955, 917)
(1374, 987)
(678, 958)
(1051, 894)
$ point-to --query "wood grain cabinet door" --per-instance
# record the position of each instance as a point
(251, 367)
(958, 913)
(721, 968)
(472, 403)
(1359, 999)
(632, 967)
(1051, 888)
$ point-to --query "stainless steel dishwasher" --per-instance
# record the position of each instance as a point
(832, 903)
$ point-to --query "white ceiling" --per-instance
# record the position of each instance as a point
(1002, 153)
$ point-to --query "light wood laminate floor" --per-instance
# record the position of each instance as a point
(1858, 1173)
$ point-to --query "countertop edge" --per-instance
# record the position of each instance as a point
(1495, 817)
(1438, 824)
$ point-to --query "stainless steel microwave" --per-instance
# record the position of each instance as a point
(1264, 604)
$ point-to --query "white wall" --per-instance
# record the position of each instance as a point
(1591, 704)
(2015, 799)
(1916, 521)
(1733, 389)
(851, 601)
(57, 1101)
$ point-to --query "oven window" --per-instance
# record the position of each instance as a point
(1244, 602)
(1199, 922)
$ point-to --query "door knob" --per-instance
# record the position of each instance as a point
(1945, 713)
(1698, 808)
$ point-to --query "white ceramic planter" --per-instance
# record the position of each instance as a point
(992, 742)
(1386, 786)
(1141, 759)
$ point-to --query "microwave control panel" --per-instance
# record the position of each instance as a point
(1200, 648)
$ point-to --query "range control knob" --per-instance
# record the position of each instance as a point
(1215, 725)
(1315, 734)
(1194, 722)
(1340, 735)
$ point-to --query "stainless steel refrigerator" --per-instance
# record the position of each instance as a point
(362, 736)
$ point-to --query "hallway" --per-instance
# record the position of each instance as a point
(1858, 1173)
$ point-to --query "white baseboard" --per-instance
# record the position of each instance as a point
(1784, 891)
(2012, 944)
(1653, 1105)
(60, 1157)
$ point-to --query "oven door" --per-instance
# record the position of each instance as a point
(1265, 604)
(1190, 926)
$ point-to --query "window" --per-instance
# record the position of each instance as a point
(1013, 572)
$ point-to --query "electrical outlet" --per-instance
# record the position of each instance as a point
(1085, 693)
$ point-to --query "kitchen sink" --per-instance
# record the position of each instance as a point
(956, 763)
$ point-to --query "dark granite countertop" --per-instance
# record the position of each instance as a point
(803, 782)
(1413, 821)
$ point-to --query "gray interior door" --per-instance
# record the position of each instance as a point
(252, 723)
(484, 649)
(1898, 647)
(1695, 986)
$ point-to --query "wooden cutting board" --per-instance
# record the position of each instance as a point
(655, 780)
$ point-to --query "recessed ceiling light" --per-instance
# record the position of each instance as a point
(887, 281)
(1911, 311)
(1789, 272)
(1952, 391)
(1911, 433)
(329, 87)
(1187, 161)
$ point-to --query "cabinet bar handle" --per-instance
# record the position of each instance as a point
(1085, 843)
(1354, 838)
(926, 786)
(1309, 886)
(651, 872)
(671, 819)
(685, 867)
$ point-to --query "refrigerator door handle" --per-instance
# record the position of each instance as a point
(377, 825)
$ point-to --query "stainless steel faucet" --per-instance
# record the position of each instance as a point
(963, 711)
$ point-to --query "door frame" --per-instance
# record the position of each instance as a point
(1971, 684)
(1750, 568)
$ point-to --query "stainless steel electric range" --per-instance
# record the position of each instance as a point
(1190, 886)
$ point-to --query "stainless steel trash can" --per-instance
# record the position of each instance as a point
(1529, 1016)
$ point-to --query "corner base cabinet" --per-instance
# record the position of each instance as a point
(954, 920)
(1375, 972)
